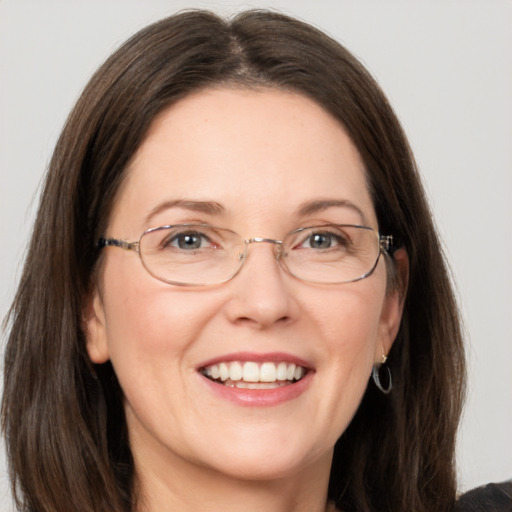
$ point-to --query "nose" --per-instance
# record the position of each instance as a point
(261, 291)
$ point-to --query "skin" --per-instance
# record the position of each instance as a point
(260, 154)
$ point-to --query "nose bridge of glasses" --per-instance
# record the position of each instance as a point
(278, 244)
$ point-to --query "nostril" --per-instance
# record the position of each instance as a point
(257, 322)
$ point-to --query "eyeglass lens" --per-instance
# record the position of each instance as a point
(197, 254)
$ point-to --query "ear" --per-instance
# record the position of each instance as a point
(393, 306)
(95, 329)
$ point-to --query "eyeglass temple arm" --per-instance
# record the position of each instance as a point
(386, 241)
(123, 244)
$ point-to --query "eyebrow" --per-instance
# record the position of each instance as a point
(208, 207)
(319, 205)
(214, 208)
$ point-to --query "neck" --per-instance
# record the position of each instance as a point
(185, 488)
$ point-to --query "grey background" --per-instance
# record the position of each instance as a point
(447, 69)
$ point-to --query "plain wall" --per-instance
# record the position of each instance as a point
(447, 69)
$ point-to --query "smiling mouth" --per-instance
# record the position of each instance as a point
(252, 375)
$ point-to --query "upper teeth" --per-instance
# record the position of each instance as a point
(254, 372)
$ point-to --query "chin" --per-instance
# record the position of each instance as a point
(263, 459)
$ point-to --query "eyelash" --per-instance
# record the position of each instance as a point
(337, 239)
(177, 237)
(179, 241)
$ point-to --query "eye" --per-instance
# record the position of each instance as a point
(323, 240)
(319, 241)
(188, 241)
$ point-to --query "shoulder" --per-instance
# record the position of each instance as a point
(488, 498)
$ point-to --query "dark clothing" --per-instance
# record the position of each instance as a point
(488, 498)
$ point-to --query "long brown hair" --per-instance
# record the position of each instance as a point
(63, 418)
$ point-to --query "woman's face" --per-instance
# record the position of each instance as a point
(250, 161)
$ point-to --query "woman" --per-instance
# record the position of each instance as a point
(279, 250)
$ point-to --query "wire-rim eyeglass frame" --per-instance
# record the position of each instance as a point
(382, 245)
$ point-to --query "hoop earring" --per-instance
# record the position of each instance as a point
(377, 377)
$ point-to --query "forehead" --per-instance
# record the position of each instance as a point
(255, 152)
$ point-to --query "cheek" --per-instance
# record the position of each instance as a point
(348, 331)
(150, 325)
(152, 331)
(344, 326)
(349, 317)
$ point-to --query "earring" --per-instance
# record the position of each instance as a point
(376, 375)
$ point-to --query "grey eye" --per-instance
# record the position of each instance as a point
(320, 241)
(188, 241)
(325, 240)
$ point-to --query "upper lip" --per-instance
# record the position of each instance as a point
(275, 357)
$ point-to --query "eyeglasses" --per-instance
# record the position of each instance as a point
(200, 254)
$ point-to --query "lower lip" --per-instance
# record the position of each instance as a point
(260, 397)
